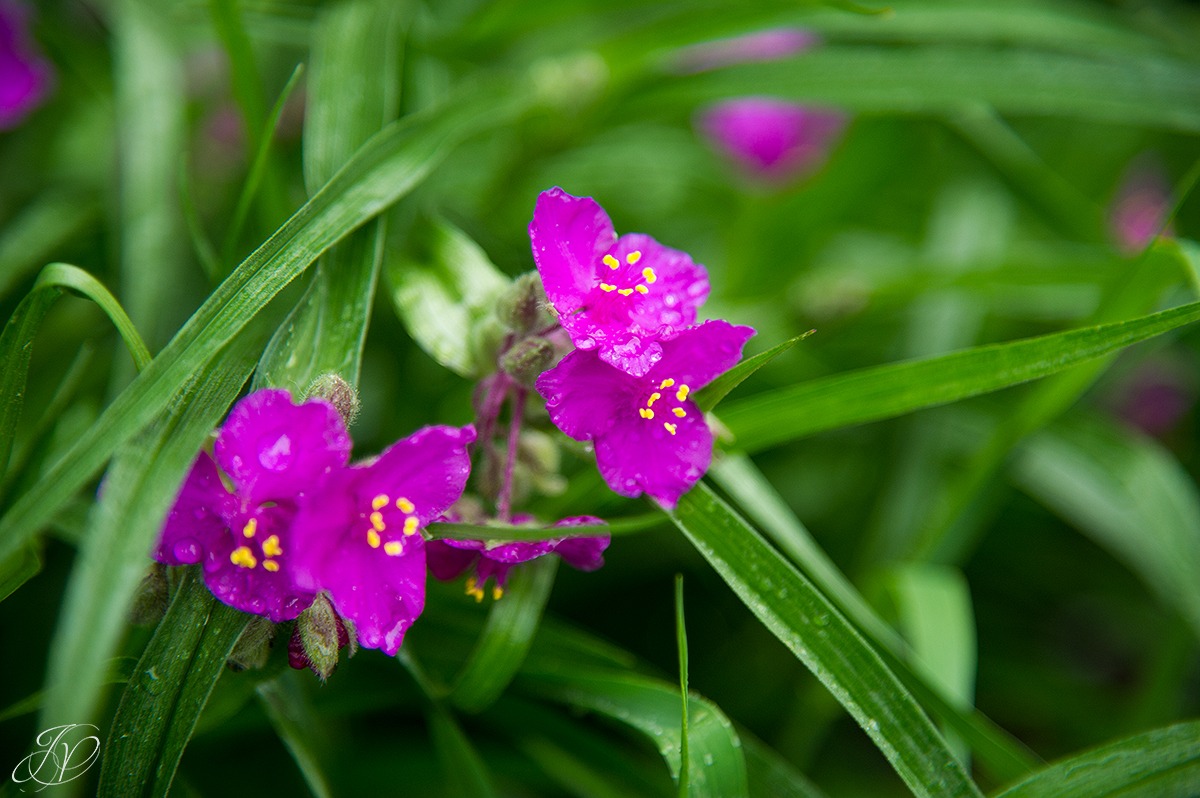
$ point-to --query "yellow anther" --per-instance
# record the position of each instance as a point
(625, 291)
(612, 262)
(243, 557)
(271, 565)
(404, 505)
(497, 593)
(250, 528)
(654, 397)
(682, 393)
(607, 287)
(410, 525)
(373, 538)
(667, 383)
(379, 502)
(649, 275)
(679, 412)
(641, 289)
(377, 521)
(393, 548)
(271, 547)
(669, 427)
(473, 589)
(633, 257)
(645, 412)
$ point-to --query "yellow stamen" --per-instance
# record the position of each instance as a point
(669, 427)
(373, 538)
(473, 589)
(633, 257)
(649, 274)
(497, 593)
(393, 548)
(271, 547)
(377, 521)
(243, 557)
(645, 412)
(611, 262)
(654, 397)
(250, 528)
(379, 502)
(679, 412)
(624, 291)
(607, 287)
(271, 565)
(682, 393)
(404, 505)
(641, 289)
(410, 525)
(667, 383)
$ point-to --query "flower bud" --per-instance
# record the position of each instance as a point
(339, 393)
(254, 646)
(526, 359)
(320, 632)
(523, 308)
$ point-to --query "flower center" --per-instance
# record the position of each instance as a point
(243, 556)
(626, 279)
(666, 405)
(383, 510)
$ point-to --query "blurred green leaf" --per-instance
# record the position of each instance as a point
(39, 230)
(443, 289)
(22, 566)
(681, 644)
(504, 532)
(1164, 763)
(804, 620)
(880, 392)
(465, 771)
(298, 725)
(710, 395)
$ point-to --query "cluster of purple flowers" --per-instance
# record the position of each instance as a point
(629, 305)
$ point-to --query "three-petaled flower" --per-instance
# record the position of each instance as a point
(25, 76)
(649, 434)
(618, 296)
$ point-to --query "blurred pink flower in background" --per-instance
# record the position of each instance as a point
(25, 75)
(1156, 395)
(767, 45)
(772, 139)
(1139, 210)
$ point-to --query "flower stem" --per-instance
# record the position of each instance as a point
(504, 503)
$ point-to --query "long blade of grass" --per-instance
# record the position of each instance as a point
(710, 395)
(828, 645)
(681, 645)
(299, 728)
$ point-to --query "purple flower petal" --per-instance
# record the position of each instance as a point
(772, 139)
(25, 76)
(618, 296)
(273, 449)
(447, 561)
(774, 44)
(584, 395)
(586, 554)
(698, 356)
(1140, 210)
(197, 519)
(661, 458)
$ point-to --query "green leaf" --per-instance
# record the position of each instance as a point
(715, 763)
(804, 620)
(168, 690)
(507, 533)
(681, 644)
(710, 395)
(1127, 493)
(24, 565)
(1131, 89)
(1164, 763)
(465, 771)
(37, 232)
(770, 776)
(442, 290)
(16, 342)
(298, 725)
(872, 394)
(506, 637)
(387, 167)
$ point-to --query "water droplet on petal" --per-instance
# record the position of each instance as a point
(187, 550)
(276, 455)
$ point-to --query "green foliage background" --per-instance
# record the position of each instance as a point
(909, 570)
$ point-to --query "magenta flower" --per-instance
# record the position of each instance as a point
(1139, 211)
(771, 139)
(618, 296)
(450, 558)
(275, 454)
(25, 76)
(767, 45)
(360, 540)
(649, 435)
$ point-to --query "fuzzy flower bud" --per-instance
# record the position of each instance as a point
(339, 393)
(527, 359)
(319, 634)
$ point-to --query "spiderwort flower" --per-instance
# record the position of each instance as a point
(1140, 209)
(25, 76)
(448, 559)
(618, 296)
(771, 139)
(360, 540)
(275, 454)
(773, 44)
(649, 435)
